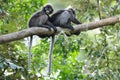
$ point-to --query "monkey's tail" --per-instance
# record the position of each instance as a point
(50, 54)
(29, 52)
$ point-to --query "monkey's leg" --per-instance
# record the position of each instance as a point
(45, 26)
(54, 28)
(69, 26)
(45, 35)
(50, 55)
(29, 52)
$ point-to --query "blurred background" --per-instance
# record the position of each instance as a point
(93, 55)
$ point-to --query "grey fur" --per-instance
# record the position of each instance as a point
(63, 18)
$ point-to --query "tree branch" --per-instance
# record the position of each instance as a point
(39, 30)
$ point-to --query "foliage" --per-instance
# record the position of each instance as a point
(93, 55)
(101, 48)
(13, 17)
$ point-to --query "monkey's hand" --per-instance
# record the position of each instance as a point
(55, 29)
(51, 25)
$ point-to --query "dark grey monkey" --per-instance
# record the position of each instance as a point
(41, 19)
(63, 18)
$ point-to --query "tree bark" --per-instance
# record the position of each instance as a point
(39, 30)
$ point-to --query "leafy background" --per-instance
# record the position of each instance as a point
(93, 55)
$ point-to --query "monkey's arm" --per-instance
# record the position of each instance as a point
(51, 25)
(74, 20)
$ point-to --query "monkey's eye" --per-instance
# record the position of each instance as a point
(46, 9)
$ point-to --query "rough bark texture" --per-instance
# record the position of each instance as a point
(38, 30)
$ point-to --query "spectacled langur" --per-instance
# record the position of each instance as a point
(41, 19)
(63, 18)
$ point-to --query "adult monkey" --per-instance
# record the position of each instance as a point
(40, 19)
(63, 18)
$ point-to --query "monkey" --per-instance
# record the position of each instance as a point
(63, 18)
(41, 19)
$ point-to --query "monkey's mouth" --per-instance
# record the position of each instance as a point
(48, 12)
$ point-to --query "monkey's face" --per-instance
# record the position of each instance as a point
(48, 9)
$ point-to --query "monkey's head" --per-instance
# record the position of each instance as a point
(48, 9)
(71, 10)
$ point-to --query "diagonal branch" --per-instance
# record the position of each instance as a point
(38, 30)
